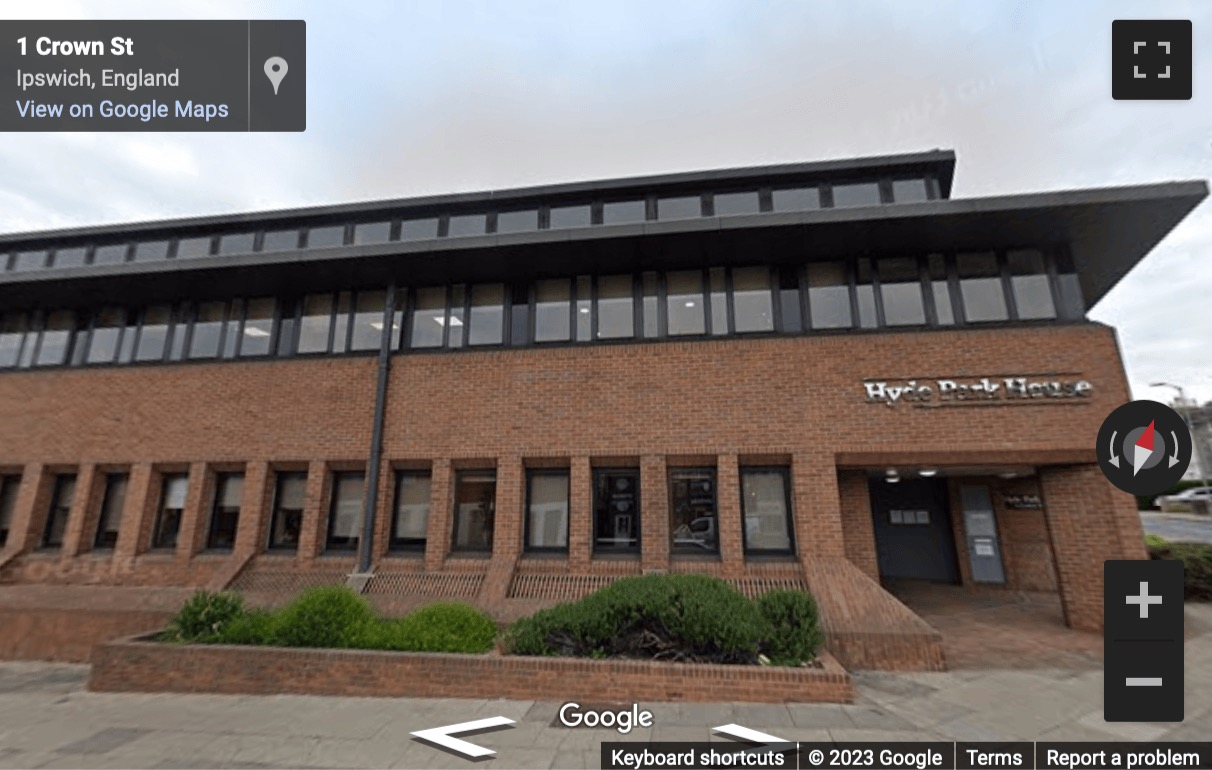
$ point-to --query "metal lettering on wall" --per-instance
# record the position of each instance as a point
(988, 391)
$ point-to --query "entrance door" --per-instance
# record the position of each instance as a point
(913, 536)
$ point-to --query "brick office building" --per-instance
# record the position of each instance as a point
(830, 375)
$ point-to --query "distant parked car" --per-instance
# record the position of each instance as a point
(1185, 497)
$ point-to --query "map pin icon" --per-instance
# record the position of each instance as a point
(275, 70)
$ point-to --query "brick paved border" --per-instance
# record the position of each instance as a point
(136, 664)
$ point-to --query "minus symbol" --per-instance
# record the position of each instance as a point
(1143, 681)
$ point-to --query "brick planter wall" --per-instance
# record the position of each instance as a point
(138, 665)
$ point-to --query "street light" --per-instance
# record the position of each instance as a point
(1195, 443)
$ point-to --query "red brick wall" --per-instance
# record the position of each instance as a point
(68, 636)
(148, 667)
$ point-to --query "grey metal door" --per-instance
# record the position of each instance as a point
(913, 537)
(980, 531)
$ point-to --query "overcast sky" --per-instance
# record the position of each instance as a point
(409, 98)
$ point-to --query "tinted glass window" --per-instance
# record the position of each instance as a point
(901, 290)
(475, 510)
(419, 229)
(909, 190)
(13, 328)
(107, 330)
(326, 237)
(553, 310)
(73, 257)
(517, 221)
(287, 521)
(865, 295)
(153, 335)
(752, 301)
(258, 327)
(796, 199)
(231, 332)
(9, 486)
(1069, 288)
(207, 330)
(28, 260)
(829, 296)
(727, 204)
(863, 194)
(718, 285)
(110, 520)
(684, 302)
(616, 309)
(679, 208)
(340, 322)
(429, 317)
(316, 323)
(367, 330)
(187, 248)
(345, 511)
(547, 510)
(60, 509)
(456, 332)
(940, 289)
(487, 319)
(764, 506)
(570, 216)
(236, 243)
(172, 507)
(110, 255)
(373, 232)
(151, 251)
(467, 224)
(1029, 282)
(225, 516)
(692, 510)
(622, 212)
(584, 319)
(651, 308)
(55, 338)
(616, 510)
(981, 287)
(411, 521)
(280, 240)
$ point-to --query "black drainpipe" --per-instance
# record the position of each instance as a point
(371, 497)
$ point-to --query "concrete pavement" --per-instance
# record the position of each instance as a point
(47, 719)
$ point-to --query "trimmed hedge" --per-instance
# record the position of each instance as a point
(331, 617)
(674, 617)
(1197, 565)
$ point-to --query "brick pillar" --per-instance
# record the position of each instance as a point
(728, 515)
(33, 497)
(85, 501)
(654, 513)
(1081, 508)
(312, 533)
(437, 536)
(858, 531)
(252, 528)
(139, 508)
(818, 519)
(196, 517)
(511, 500)
(384, 514)
(580, 514)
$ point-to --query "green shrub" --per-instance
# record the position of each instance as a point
(438, 627)
(326, 616)
(1155, 541)
(254, 627)
(795, 631)
(671, 617)
(205, 616)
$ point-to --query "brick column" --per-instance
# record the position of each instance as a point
(82, 505)
(196, 516)
(33, 497)
(254, 509)
(135, 529)
(728, 515)
(580, 513)
(654, 513)
(511, 499)
(385, 512)
(858, 531)
(312, 532)
(437, 535)
(1080, 506)
(818, 518)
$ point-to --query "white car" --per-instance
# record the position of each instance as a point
(1185, 496)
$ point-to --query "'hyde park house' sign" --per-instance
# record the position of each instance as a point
(987, 390)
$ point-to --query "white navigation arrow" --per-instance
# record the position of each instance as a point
(442, 735)
(1173, 458)
(1114, 457)
(753, 736)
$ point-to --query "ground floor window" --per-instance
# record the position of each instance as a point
(111, 511)
(225, 516)
(616, 510)
(172, 507)
(766, 510)
(547, 510)
(345, 510)
(411, 517)
(60, 508)
(8, 504)
(475, 510)
(287, 518)
(692, 510)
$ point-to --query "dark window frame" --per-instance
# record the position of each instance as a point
(455, 548)
(398, 545)
(9, 481)
(158, 530)
(56, 504)
(637, 516)
(676, 551)
(531, 475)
(280, 478)
(212, 529)
(101, 539)
(351, 544)
(788, 501)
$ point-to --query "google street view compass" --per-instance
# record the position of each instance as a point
(1144, 447)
